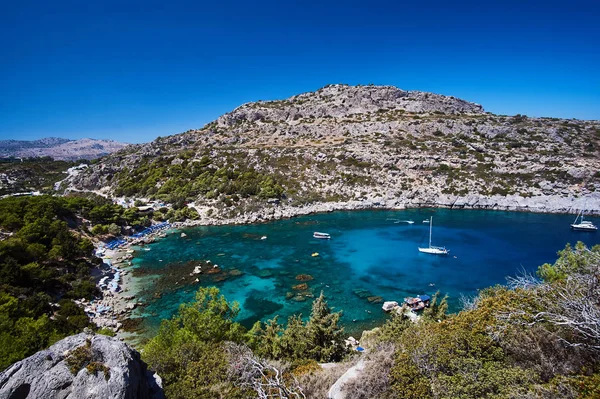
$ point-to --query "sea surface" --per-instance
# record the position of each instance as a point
(371, 256)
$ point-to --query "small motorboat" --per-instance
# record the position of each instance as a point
(322, 236)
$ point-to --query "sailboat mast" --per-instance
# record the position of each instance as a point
(430, 224)
(577, 217)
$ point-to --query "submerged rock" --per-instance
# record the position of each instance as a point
(235, 272)
(300, 287)
(304, 277)
(82, 366)
(375, 299)
(265, 273)
(362, 293)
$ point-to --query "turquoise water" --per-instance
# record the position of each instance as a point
(368, 256)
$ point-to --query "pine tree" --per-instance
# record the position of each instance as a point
(436, 311)
(293, 341)
(324, 335)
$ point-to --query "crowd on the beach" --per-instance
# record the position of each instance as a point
(113, 304)
(147, 231)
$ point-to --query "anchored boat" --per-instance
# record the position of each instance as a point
(420, 302)
(433, 249)
(583, 225)
(323, 236)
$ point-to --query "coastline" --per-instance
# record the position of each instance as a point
(116, 300)
(115, 306)
(511, 203)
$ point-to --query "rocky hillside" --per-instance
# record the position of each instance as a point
(361, 146)
(82, 366)
(59, 149)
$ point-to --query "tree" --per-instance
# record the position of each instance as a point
(436, 311)
(324, 336)
(293, 342)
(566, 303)
(188, 350)
(266, 380)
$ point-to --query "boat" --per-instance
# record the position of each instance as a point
(417, 303)
(583, 225)
(323, 236)
(426, 221)
(433, 249)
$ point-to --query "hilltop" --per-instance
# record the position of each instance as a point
(58, 148)
(347, 147)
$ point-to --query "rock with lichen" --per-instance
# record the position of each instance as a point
(82, 366)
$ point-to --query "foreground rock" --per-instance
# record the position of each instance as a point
(81, 366)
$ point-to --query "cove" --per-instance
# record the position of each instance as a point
(372, 256)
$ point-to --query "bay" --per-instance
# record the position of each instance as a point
(372, 256)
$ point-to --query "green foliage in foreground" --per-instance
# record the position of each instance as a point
(523, 341)
(190, 353)
(321, 338)
(531, 339)
(44, 264)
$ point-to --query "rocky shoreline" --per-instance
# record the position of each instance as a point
(118, 298)
(115, 302)
(515, 203)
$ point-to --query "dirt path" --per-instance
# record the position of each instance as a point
(335, 392)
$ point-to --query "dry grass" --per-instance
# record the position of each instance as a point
(316, 384)
(374, 380)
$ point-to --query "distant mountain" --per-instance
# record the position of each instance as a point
(59, 149)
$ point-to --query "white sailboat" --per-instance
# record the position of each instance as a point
(583, 225)
(433, 249)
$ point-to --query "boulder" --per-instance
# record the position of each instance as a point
(82, 366)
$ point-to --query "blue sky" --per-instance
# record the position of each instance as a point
(132, 71)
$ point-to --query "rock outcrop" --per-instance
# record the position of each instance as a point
(79, 367)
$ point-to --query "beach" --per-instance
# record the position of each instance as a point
(114, 279)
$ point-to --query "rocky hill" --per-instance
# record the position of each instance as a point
(59, 149)
(346, 147)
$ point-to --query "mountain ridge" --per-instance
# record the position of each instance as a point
(362, 144)
(59, 148)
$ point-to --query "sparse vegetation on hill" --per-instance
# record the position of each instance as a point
(344, 143)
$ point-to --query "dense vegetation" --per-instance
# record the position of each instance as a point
(31, 174)
(177, 180)
(203, 353)
(535, 338)
(45, 263)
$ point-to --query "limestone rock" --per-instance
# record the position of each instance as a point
(47, 375)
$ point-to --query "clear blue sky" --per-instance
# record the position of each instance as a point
(132, 71)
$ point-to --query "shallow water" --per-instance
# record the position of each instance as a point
(370, 255)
